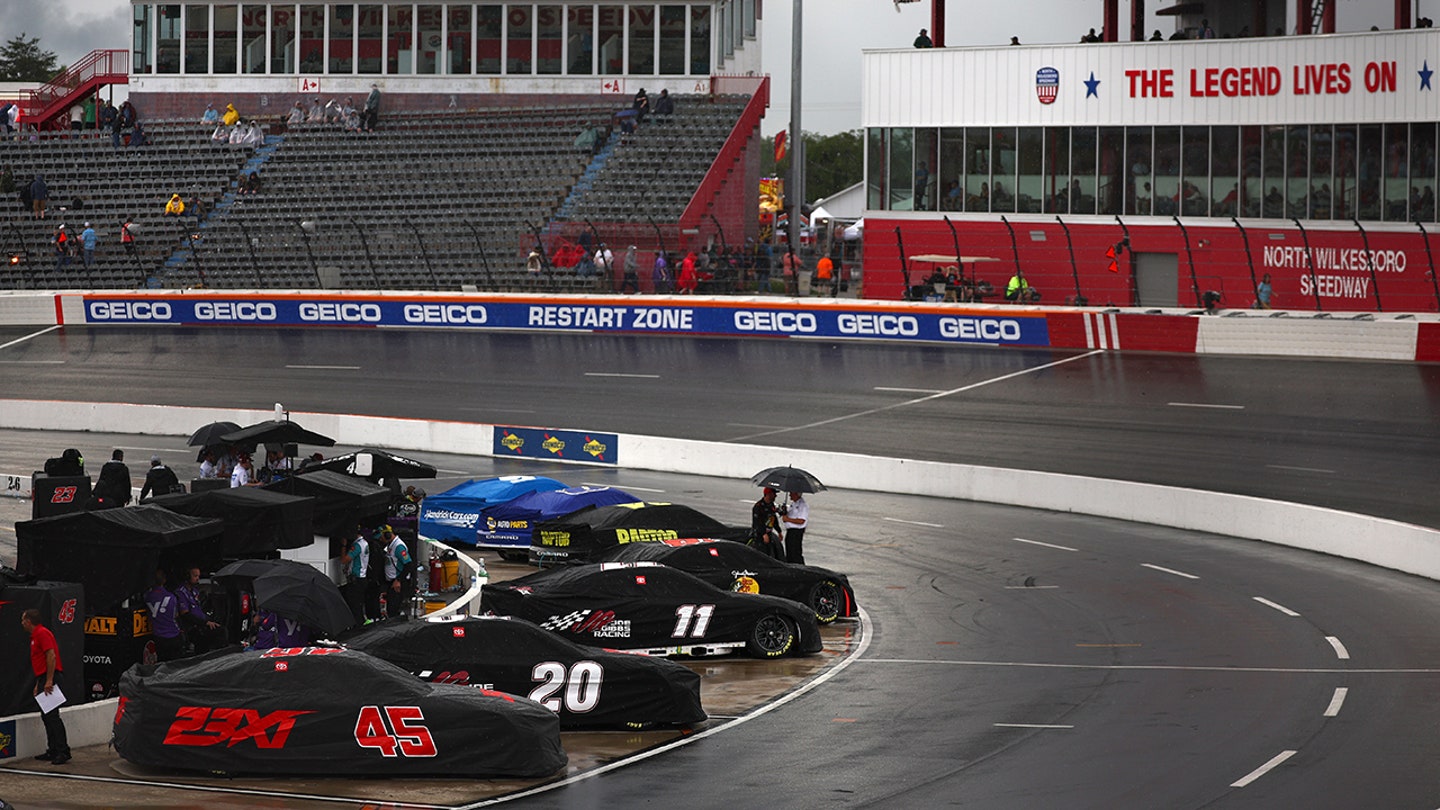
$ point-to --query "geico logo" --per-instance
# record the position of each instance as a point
(905, 325)
(129, 311)
(346, 313)
(979, 329)
(445, 313)
(747, 321)
(236, 311)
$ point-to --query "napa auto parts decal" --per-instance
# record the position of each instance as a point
(737, 318)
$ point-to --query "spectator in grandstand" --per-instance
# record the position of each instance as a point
(127, 236)
(1157, 36)
(296, 116)
(1206, 32)
(128, 116)
(1019, 291)
(1179, 34)
(660, 277)
(923, 41)
(630, 281)
(137, 137)
(665, 105)
(689, 278)
(231, 116)
(332, 112)
(5, 127)
(1263, 293)
(641, 106)
(77, 117)
(605, 262)
(7, 181)
(39, 195)
(250, 183)
(1014, 40)
(176, 206)
(61, 240)
(211, 116)
(87, 246)
(372, 110)
(1002, 197)
(316, 115)
(533, 263)
(1090, 37)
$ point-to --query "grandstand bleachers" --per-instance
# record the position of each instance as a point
(440, 200)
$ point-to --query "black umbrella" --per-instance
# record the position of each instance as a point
(273, 431)
(293, 590)
(382, 465)
(787, 479)
(210, 434)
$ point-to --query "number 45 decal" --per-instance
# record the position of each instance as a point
(393, 729)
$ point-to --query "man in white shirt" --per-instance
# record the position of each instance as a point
(604, 262)
(242, 476)
(796, 518)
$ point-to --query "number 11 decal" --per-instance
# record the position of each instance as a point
(684, 614)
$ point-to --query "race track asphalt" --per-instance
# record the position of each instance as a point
(1019, 659)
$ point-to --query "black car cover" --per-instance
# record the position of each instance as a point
(586, 686)
(326, 711)
(114, 552)
(578, 535)
(642, 606)
(340, 500)
(256, 521)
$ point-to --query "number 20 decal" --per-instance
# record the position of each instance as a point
(581, 685)
(393, 730)
(685, 613)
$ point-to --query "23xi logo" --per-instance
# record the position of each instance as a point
(202, 725)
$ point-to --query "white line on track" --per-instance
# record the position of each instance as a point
(1336, 701)
(1340, 651)
(910, 390)
(33, 362)
(1206, 405)
(1046, 545)
(1159, 667)
(1169, 571)
(870, 412)
(1030, 725)
(631, 489)
(1300, 469)
(1267, 603)
(323, 368)
(748, 425)
(619, 374)
(488, 409)
(29, 336)
(915, 522)
(1263, 769)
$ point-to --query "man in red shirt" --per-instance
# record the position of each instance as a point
(45, 663)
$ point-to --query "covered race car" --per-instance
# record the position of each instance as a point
(511, 525)
(654, 609)
(738, 567)
(583, 533)
(453, 516)
(585, 686)
(326, 711)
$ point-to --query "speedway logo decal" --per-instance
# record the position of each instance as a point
(735, 320)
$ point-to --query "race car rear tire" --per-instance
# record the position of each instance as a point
(771, 637)
(825, 599)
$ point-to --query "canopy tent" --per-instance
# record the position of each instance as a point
(340, 499)
(256, 521)
(113, 553)
(511, 523)
(453, 516)
(580, 534)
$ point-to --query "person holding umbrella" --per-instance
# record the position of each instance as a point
(796, 516)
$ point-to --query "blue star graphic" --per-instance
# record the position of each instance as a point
(1425, 74)
(1091, 86)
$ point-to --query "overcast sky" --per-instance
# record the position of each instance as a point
(835, 33)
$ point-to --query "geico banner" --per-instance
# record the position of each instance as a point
(737, 319)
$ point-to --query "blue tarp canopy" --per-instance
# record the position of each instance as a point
(510, 523)
(453, 516)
